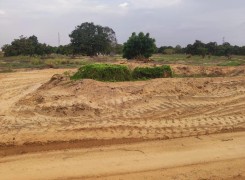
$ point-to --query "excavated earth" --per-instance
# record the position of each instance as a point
(42, 112)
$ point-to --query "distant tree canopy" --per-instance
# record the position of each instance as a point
(27, 46)
(212, 48)
(202, 49)
(139, 46)
(170, 50)
(91, 40)
(119, 49)
(65, 50)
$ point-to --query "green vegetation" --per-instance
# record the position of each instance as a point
(152, 72)
(201, 49)
(103, 72)
(40, 62)
(197, 60)
(62, 61)
(114, 73)
(230, 63)
(91, 40)
(139, 46)
(27, 46)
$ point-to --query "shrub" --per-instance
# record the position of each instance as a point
(103, 72)
(152, 72)
(36, 62)
(139, 46)
(169, 51)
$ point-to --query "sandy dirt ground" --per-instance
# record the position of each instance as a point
(206, 157)
(184, 128)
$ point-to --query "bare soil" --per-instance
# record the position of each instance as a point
(181, 128)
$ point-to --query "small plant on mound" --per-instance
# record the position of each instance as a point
(152, 72)
(103, 72)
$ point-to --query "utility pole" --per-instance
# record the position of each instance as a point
(58, 39)
(223, 40)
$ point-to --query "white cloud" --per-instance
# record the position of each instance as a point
(170, 22)
(100, 7)
(2, 12)
(154, 3)
(123, 5)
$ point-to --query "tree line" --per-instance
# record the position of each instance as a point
(92, 40)
(27, 46)
(202, 49)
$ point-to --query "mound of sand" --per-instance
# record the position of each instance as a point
(64, 110)
(209, 70)
(40, 116)
(190, 70)
(159, 108)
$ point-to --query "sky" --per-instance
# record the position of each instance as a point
(170, 22)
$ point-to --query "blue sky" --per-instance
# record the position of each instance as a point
(170, 22)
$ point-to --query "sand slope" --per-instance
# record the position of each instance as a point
(121, 130)
(63, 110)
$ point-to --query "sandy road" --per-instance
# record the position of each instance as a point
(207, 157)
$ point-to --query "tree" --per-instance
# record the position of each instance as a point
(169, 51)
(227, 49)
(178, 49)
(198, 48)
(139, 46)
(202, 51)
(64, 50)
(27, 46)
(90, 39)
(212, 48)
(119, 49)
(242, 51)
(163, 48)
(189, 49)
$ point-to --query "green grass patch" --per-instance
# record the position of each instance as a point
(152, 72)
(197, 60)
(60, 61)
(230, 63)
(103, 72)
(115, 73)
(52, 61)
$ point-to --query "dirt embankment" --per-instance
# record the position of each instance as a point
(201, 120)
(193, 71)
(61, 110)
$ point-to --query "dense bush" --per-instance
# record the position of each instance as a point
(108, 72)
(103, 72)
(152, 72)
(139, 46)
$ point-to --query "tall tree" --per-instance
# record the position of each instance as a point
(92, 39)
(139, 46)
